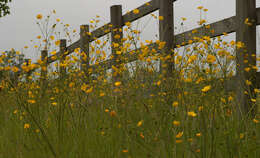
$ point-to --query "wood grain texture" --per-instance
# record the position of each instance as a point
(246, 33)
(166, 34)
(116, 37)
(84, 47)
(44, 57)
(63, 47)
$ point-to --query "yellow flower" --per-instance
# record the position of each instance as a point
(117, 83)
(115, 45)
(179, 135)
(31, 101)
(183, 19)
(118, 52)
(192, 114)
(54, 103)
(253, 100)
(140, 123)
(176, 123)
(89, 90)
(198, 134)
(247, 22)
(147, 4)
(26, 126)
(248, 82)
(175, 104)
(128, 24)
(211, 58)
(257, 90)
(255, 121)
(200, 108)
(230, 98)
(125, 151)
(239, 45)
(202, 21)
(242, 135)
(52, 37)
(15, 111)
(197, 151)
(206, 88)
(247, 69)
(39, 16)
(57, 43)
(117, 36)
(113, 113)
(71, 84)
(142, 135)
(136, 11)
(200, 7)
(161, 17)
(178, 141)
(15, 69)
(161, 45)
(102, 94)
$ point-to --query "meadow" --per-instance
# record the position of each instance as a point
(143, 113)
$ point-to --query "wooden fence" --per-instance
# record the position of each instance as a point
(245, 9)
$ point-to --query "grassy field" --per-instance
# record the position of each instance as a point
(144, 114)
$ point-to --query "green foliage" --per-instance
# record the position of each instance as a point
(4, 8)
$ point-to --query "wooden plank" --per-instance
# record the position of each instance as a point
(107, 64)
(246, 33)
(144, 10)
(166, 34)
(70, 49)
(231, 83)
(84, 47)
(257, 16)
(116, 36)
(101, 31)
(44, 57)
(128, 58)
(63, 47)
(227, 25)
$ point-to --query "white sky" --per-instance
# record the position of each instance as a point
(20, 27)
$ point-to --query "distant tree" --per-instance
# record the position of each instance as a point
(4, 8)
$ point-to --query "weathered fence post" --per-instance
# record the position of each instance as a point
(246, 56)
(27, 62)
(44, 56)
(166, 34)
(63, 46)
(84, 47)
(117, 35)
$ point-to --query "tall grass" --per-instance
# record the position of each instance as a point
(145, 114)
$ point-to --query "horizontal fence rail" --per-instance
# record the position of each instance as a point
(227, 25)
